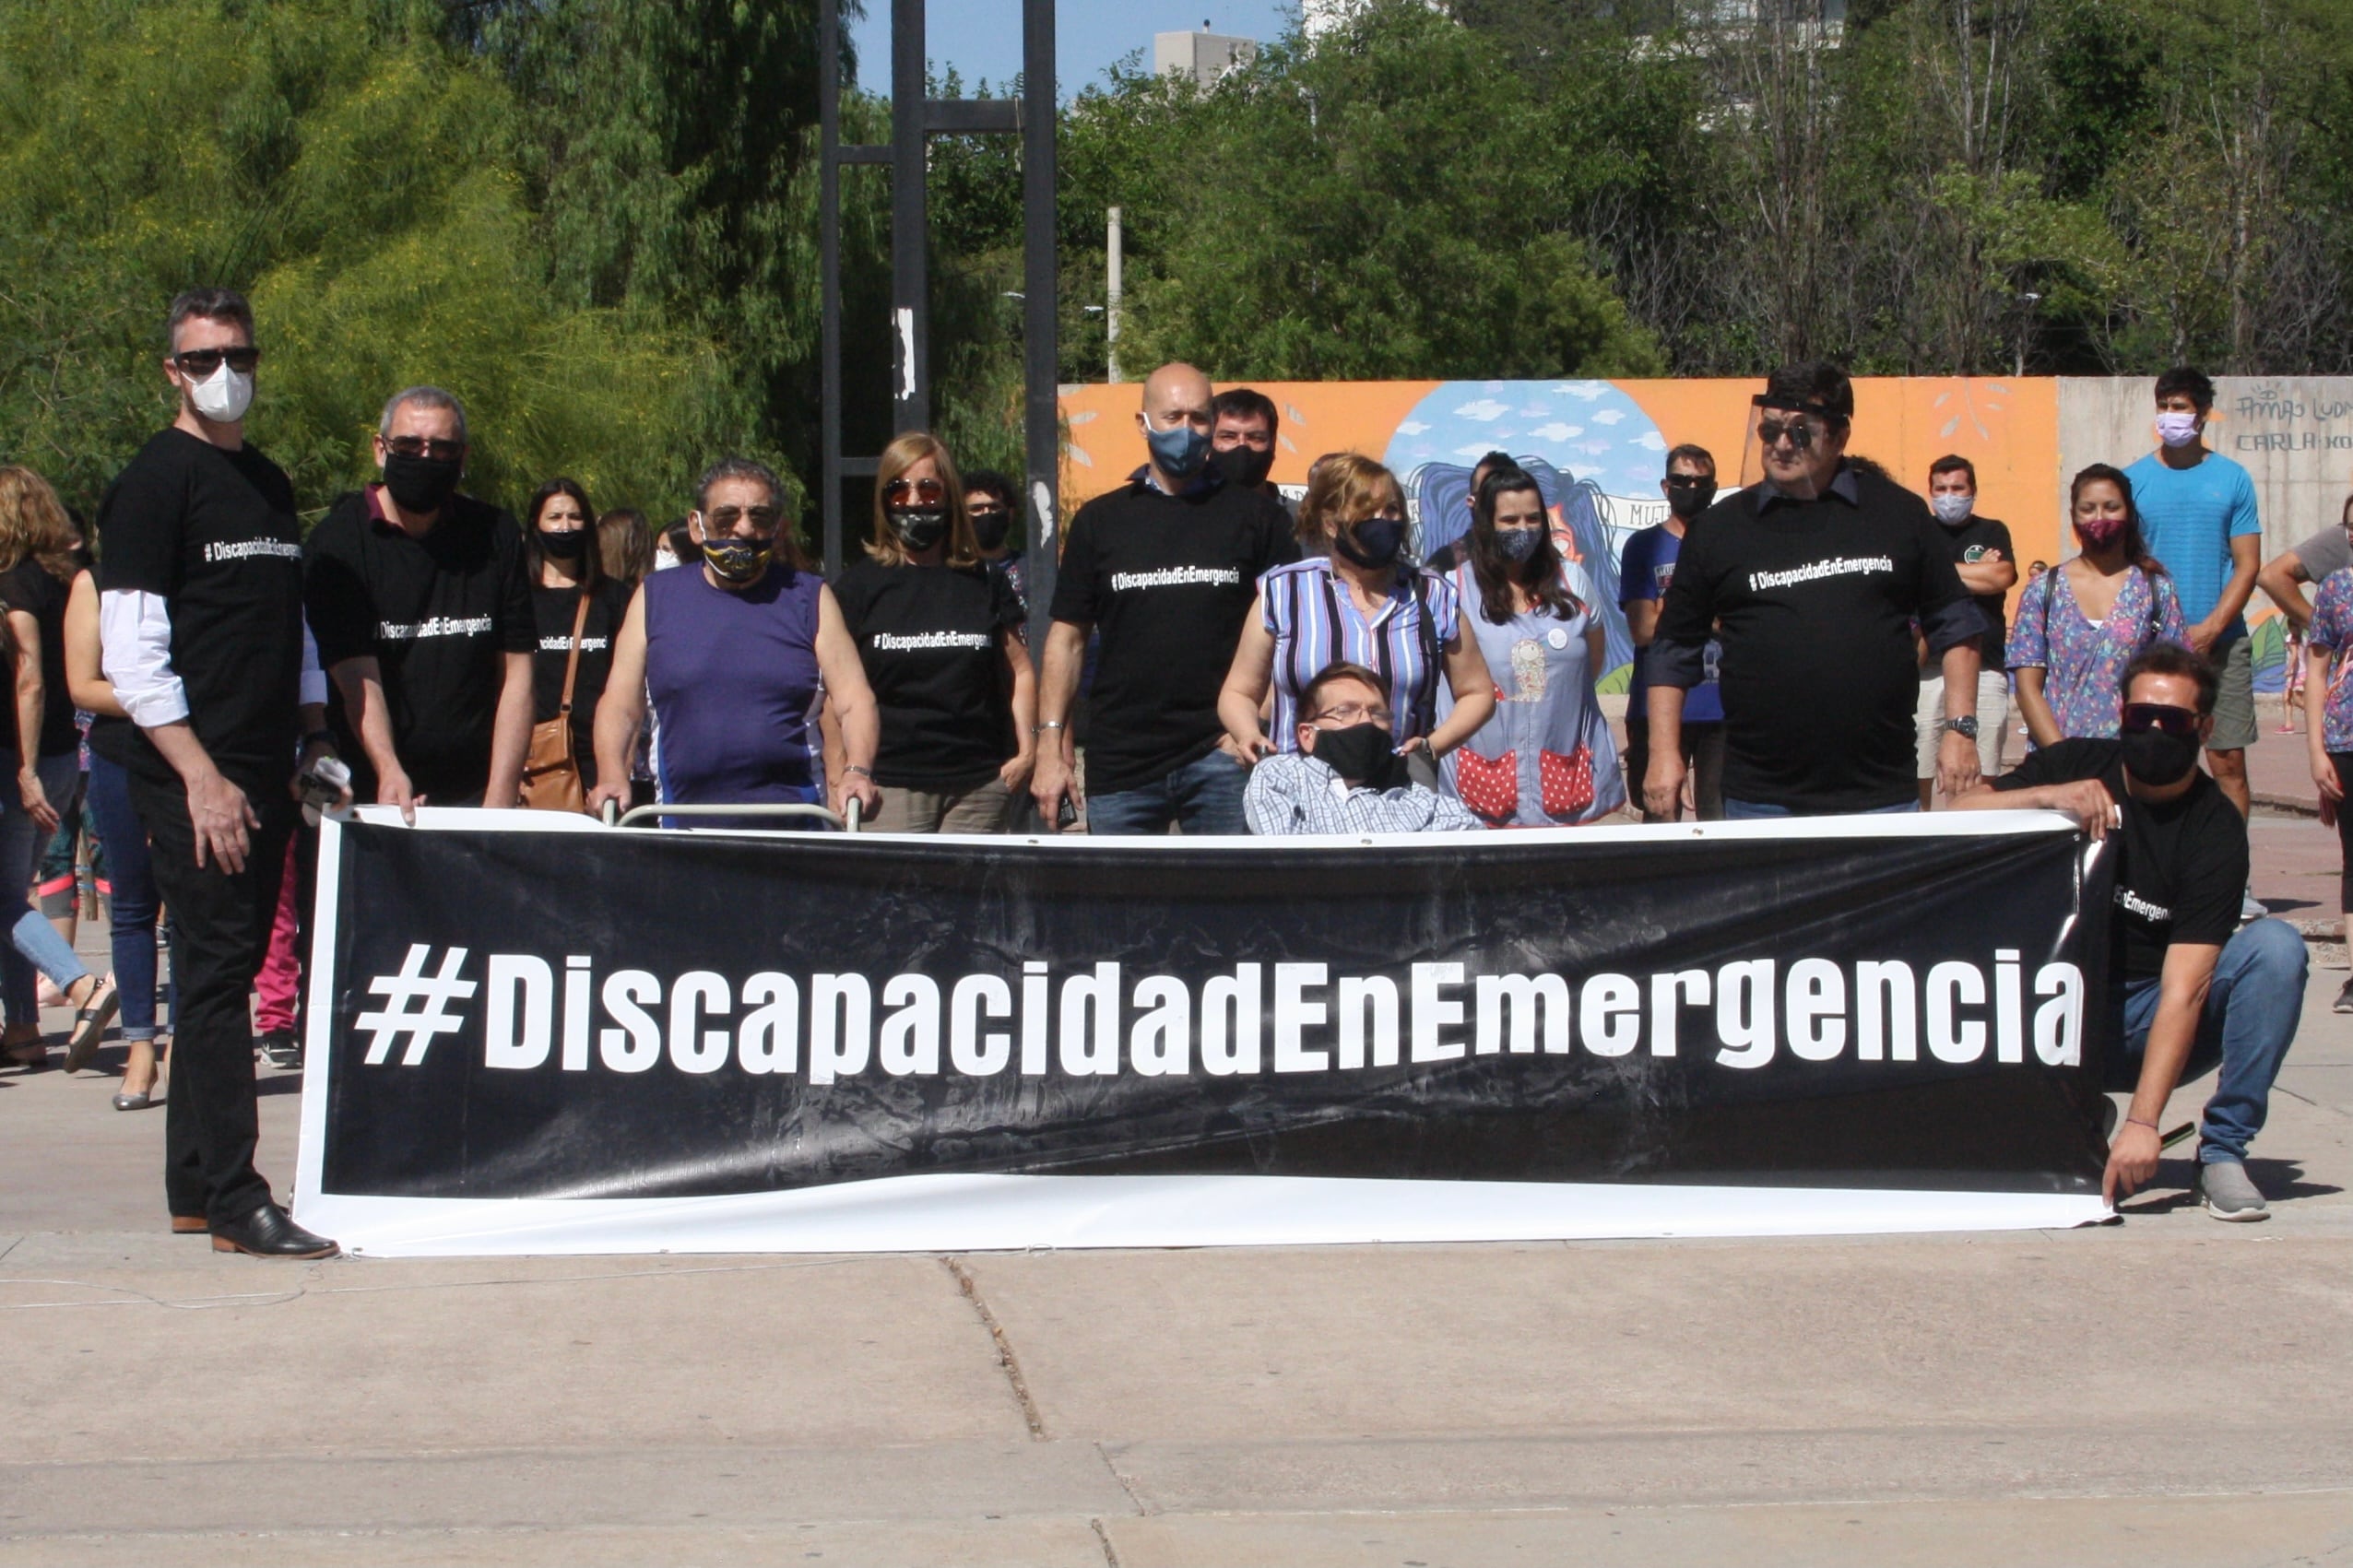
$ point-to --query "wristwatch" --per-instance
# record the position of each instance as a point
(1965, 724)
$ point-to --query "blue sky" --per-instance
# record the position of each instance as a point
(983, 38)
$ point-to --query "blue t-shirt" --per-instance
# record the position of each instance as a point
(2188, 517)
(1645, 567)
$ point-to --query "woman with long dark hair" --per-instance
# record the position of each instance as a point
(1544, 758)
(2080, 623)
(572, 598)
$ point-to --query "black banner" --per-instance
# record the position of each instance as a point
(624, 1014)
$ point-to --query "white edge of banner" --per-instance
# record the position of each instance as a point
(318, 1046)
(990, 1213)
(1898, 825)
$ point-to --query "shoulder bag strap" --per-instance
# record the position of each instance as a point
(572, 660)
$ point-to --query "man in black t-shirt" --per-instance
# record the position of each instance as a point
(420, 599)
(1166, 567)
(2191, 988)
(1987, 568)
(1812, 582)
(201, 633)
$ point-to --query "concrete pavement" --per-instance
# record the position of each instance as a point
(2165, 1390)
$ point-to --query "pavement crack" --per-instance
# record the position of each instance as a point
(1110, 1464)
(1006, 1361)
(1103, 1537)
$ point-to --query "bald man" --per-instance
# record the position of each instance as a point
(1165, 568)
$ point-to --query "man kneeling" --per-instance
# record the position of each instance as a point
(2193, 989)
(1346, 777)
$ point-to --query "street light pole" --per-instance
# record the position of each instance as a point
(1112, 260)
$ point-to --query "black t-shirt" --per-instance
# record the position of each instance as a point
(2182, 872)
(1813, 603)
(552, 612)
(30, 588)
(213, 533)
(928, 637)
(1982, 539)
(438, 614)
(1168, 580)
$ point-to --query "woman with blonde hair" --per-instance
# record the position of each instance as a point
(39, 553)
(1356, 599)
(940, 636)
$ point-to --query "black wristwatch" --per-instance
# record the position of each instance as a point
(1965, 724)
(317, 737)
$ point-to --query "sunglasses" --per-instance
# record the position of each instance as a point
(922, 489)
(1799, 432)
(425, 446)
(2140, 717)
(1700, 481)
(723, 519)
(202, 362)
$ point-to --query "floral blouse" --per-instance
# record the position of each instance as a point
(2332, 630)
(2082, 662)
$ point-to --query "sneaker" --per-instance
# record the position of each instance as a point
(2344, 1003)
(2228, 1192)
(280, 1049)
(2251, 907)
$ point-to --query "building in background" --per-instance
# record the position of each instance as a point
(1204, 56)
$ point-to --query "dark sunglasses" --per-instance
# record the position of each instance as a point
(922, 489)
(2141, 717)
(1799, 431)
(425, 446)
(1690, 482)
(723, 519)
(202, 362)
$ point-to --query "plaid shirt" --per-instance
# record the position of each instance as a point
(1294, 793)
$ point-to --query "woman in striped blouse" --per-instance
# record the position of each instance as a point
(1355, 599)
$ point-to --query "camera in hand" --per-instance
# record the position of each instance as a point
(323, 783)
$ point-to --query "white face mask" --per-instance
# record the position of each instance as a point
(222, 397)
(2177, 429)
(1951, 509)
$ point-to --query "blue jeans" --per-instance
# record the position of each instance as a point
(2251, 1012)
(1757, 810)
(32, 942)
(132, 904)
(1204, 796)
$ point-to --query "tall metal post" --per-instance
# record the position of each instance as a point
(829, 268)
(1113, 261)
(910, 222)
(1040, 319)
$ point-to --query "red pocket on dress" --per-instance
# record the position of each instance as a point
(1489, 786)
(1567, 780)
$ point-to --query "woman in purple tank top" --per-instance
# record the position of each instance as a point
(737, 657)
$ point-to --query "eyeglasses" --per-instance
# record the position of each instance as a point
(1355, 713)
(425, 446)
(723, 519)
(922, 489)
(202, 362)
(2140, 717)
(1799, 432)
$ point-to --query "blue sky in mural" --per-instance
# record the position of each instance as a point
(1588, 428)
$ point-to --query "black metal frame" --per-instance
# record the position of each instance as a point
(915, 119)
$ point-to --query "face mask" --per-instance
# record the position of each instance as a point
(422, 484)
(1372, 544)
(2098, 532)
(1518, 544)
(222, 397)
(2177, 429)
(2156, 757)
(737, 561)
(918, 527)
(1951, 509)
(989, 528)
(1689, 503)
(561, 543)
(1180, 452)
(1361, 754)
(1245, 466)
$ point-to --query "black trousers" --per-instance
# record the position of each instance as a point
(223, 921)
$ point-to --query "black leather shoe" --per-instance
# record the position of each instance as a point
(268, 1231)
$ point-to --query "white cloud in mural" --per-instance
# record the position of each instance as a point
(1412, 427)
(1477, 449)
(1608, 416)
(1486, 410)
(1556, 432)
(1651, 441)
(1588, 390)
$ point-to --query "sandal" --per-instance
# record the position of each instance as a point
(89, 1022)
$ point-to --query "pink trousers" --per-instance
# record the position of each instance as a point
(275, 986)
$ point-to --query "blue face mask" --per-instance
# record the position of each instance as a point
(1518, 544)
(1179, 451)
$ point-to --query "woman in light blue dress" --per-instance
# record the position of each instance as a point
(1545, 757)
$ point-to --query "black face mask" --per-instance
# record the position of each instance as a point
(422, 484)
(918, 527)
(989, 528)
(2156, 757)
(1362, 754)
(561, 544)
(1245, 466)
(1372, 544)
(1689, 501)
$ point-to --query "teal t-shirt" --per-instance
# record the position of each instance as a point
(2188, 517)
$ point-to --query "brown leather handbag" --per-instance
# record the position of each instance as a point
(551, 771)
